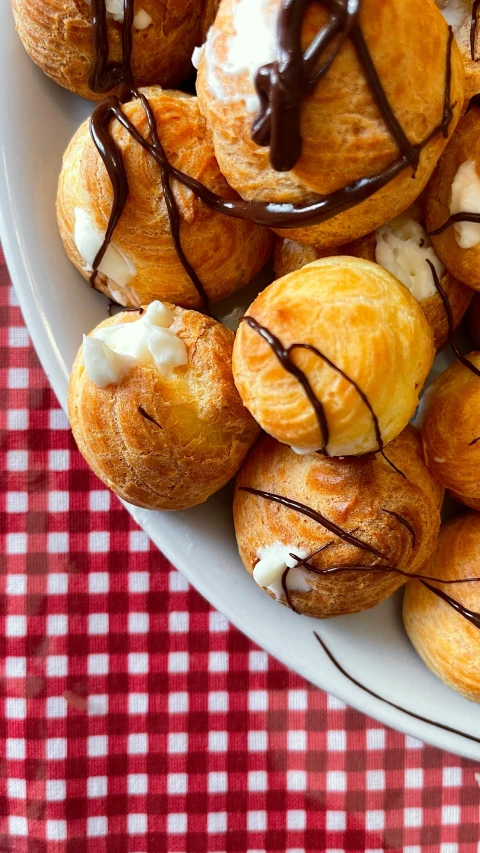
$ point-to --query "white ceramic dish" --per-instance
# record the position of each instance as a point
(37, 120)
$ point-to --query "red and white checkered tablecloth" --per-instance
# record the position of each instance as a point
(135, 719)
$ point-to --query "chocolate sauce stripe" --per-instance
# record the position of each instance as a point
(105, 75)
(148, 417)
(260, 213)
(471, 615)
(283, 355)
(315, 516)
(283, 84)
(375, 695)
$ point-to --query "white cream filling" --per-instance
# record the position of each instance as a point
(273, 560)
(300, 451)
(141, 21)
(455, 12)
(253, 45)
(197, 55)
(88, 240)
(403, 248)
(112, 351)
(466, 198)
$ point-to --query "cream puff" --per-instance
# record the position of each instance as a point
(299, 135)
(461, 16)
(442, 620)
(59, 36)
(296, 517)
(142, 262)
(154, 409)
(403, 248)
(453, 190)
(451, 429)
(333, 357)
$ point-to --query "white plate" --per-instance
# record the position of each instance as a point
(37, 120)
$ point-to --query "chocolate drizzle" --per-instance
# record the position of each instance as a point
(345, 535)
(456, 217)
(148, 417)
(284, 356)
(359, 684)
(473, 29)
(403, 521)
(471, 615)
(282, 85)
(272, 214)
(113, 160)
(105, 74)
(451, 325)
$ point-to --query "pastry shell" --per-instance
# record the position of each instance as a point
(201, 434)
(355, 494)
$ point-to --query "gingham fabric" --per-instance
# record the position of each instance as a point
(135, 718)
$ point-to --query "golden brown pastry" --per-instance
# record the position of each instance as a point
(398, 518)
(451, 429)
(343, 136)
(58, 36)
(401, 247)
(458, 14)
(358, 316)
(153, 407)
(447, 641)
(142, 263)
(454, 188)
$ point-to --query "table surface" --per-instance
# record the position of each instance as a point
(135, 718)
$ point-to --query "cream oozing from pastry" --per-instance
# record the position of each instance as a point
(88, 240)
(112, 351)
(403, 248)
(253, 45)
(273, 560)
(455, 12)
(466, 198)
(141, 21)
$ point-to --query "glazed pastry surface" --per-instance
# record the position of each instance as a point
(445, 640)
(290, 256)
(200, 430)
(363, 320)
(57, 35)
(225, 253)
(451, 425)
(464, 264)
(344, 136)
(355, 494)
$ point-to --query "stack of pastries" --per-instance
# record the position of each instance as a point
(317, 139)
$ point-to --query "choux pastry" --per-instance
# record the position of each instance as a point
(451, 429)
(333, 357)
(300, 141)
(142, 262)
(59, 36)
(443, 620)
(453, 190)
(401, 247)
(153, 407)
(335, 513)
